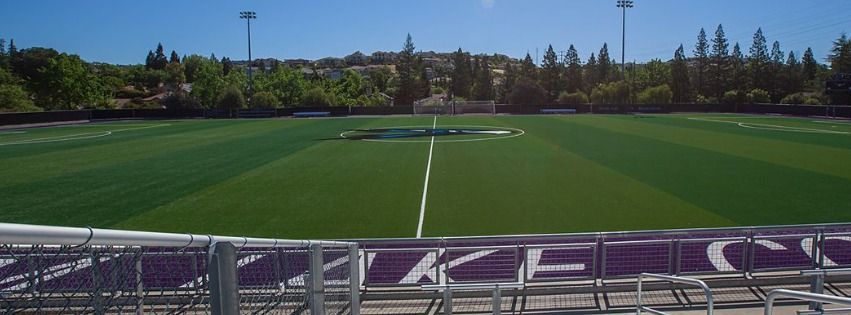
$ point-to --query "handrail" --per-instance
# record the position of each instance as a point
(826, 272)
(26, 234)
(674, 279)
(804, 296)
(472, 286)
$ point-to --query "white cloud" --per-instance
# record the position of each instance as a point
(487, 4)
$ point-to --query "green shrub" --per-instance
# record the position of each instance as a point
(317, 97)
(700, 99)
(612, 93)
(734, 97)
(800, 98)
(264, 100)
(13, 98)
(759, 96)
(572, 98)
(526, 92)
(656, 95)
(230, 98)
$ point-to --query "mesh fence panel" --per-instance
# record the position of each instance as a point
(627, 259)
(402, 267)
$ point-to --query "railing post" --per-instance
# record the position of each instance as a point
(447, 300)
(354, 278)
(497, 300)
(140, 288)
(224, 287)
(817, 286)
(317, 281)
(638, 296)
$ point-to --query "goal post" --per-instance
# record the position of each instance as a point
(473, 107)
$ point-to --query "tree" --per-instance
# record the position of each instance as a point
(604, 65)
(793, 76)
(176, 74)
(149, 60)
(231, 98)
(680, 87)
(13, 98)
(180, 99)
(758, 62)
(590, 76)
(423, 83)
(483, 89)
(227, 65)
(316, 96)
(551, 74)
(287, 85)
(840, 55)
(2, 47)
(738, 71)
(776, 72)
(720, 56)
(209, 81)
(407, 92)
(462, 76)
(576, 98)
(70, 85)
(159, 58)
(610, 93)
(573, 75)
(654, 73)
(13, 50)
(701, 58)
(264, 100)
(174, 57)
(527, 92)
(191, 65)
(809, 65)
(656, 95)
(508, 82)
(349, 88)
(528, 69)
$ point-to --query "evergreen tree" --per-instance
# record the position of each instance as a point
(604, 65)
(422, 80)
(483, 89)
(174, 57)
(809, 65)
(508, 81)
(407, 92)
(738, 72)
(680, 86)
(758, 62)
(551, 74)
(2, 47)
(701, 58)
(528, 69)
(462, 80)
(840, 55)
(793, 76)
(149, 60)
(573, 76)
(776, 72)
(159, 58)
(720, 56)
(227, 65)
(13, 50)
(590, 75)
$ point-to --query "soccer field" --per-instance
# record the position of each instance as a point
(298, 178)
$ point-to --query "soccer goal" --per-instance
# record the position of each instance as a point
(473, 107)
(432, 107)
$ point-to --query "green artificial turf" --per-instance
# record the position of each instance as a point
(297, 179)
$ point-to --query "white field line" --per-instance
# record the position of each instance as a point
(772, 127)
(425, 185)
(79, 136)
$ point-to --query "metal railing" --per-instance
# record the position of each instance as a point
(639, 307)
(81, 270)
(495, 288)
(817, 284)
(804, 296)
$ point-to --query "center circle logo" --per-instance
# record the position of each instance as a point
(451, 133)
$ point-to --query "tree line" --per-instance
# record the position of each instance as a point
(714, 71)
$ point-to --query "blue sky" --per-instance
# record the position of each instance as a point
(123, 31)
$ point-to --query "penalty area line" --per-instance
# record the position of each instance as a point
(425, 185)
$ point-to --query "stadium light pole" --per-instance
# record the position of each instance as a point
(624, 4)
(248, 16)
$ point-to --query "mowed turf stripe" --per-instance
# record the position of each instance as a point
(333, 189)
(839, 141)
(532, 184)
(128, 147)
(810, 157)
(106, 195)
(744, 190)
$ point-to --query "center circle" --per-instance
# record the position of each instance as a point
(417, 134)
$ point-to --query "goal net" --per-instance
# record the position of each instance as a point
(432, 107)
(473, 107)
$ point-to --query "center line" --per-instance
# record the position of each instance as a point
(425, 186)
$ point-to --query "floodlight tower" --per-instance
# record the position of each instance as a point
(624, 4)
(248, 16)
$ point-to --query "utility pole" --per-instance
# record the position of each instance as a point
(624, 4)
(248, 16)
